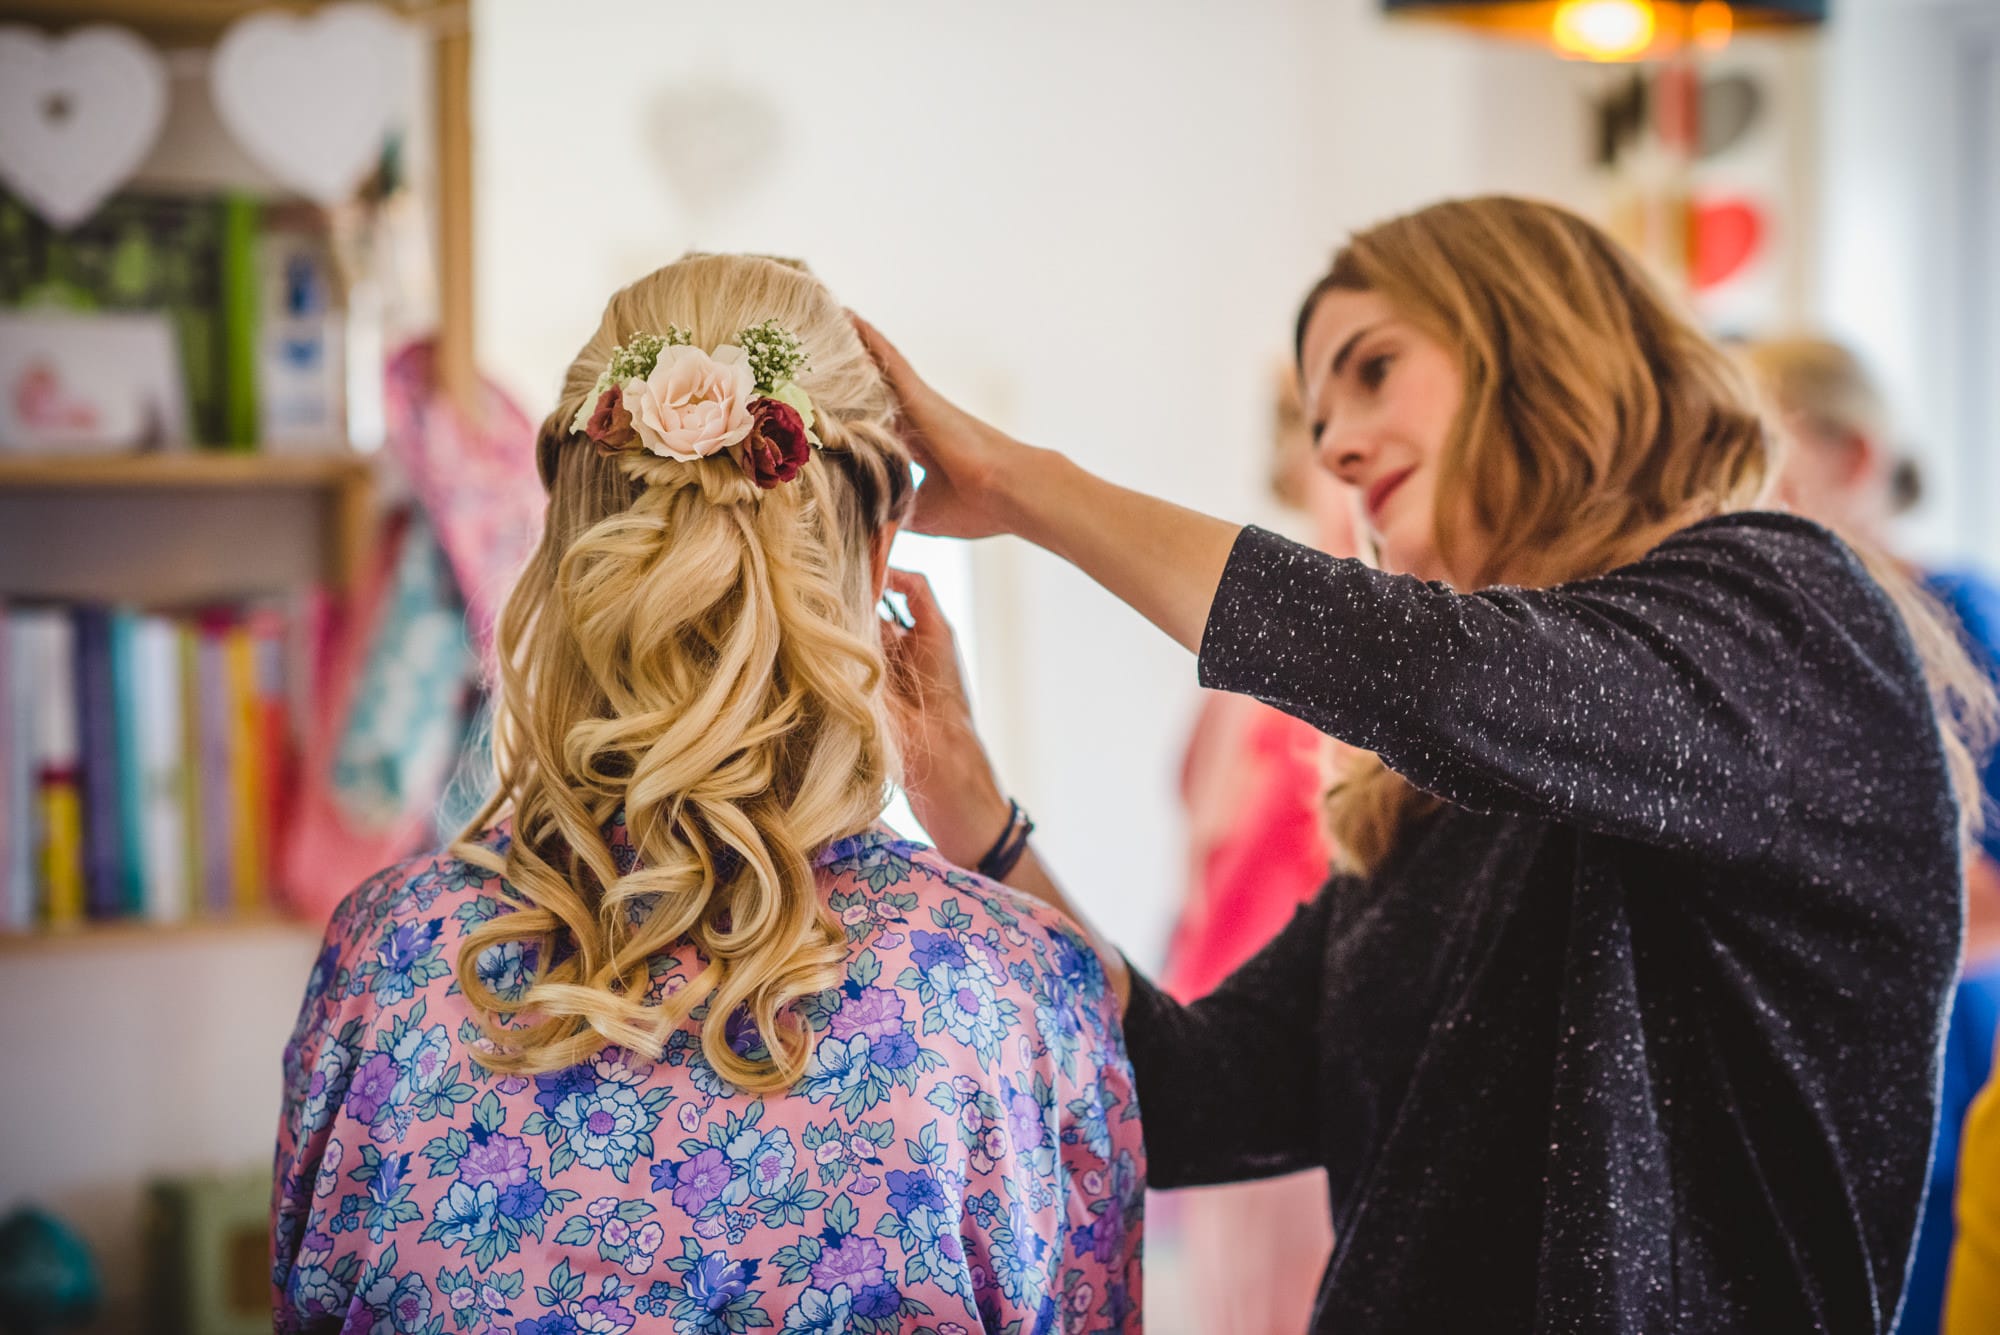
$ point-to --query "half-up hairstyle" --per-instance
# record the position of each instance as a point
(700, 654)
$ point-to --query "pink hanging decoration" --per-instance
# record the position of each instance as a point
(476, 479)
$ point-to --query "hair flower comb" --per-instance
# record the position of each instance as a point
(661, 394)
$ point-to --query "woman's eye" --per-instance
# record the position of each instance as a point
(1373, 370)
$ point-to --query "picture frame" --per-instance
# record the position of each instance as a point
(81, 382)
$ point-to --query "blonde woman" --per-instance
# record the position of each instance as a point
(1624, 1013)
(678, 1035)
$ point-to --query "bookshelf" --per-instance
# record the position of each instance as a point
(201, 22)
(179, 529)
(129, 1091)
(183, 529)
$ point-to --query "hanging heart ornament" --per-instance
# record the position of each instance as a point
(78, 114)
(310, 97)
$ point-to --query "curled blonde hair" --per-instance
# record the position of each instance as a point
(1597, 420)
(700, 654)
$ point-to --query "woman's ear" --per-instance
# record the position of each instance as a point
(878, 557)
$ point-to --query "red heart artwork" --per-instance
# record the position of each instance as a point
(1728, 233)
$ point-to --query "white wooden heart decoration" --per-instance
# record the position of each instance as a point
(310, 98)
(77, 116)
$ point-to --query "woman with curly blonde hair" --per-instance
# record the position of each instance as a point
(677, 1028)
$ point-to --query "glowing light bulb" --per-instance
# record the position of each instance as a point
(1603, 29)
(1711, 23)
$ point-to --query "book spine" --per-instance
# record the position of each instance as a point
(131, 774)
(241, 216)
(98, 755)
(195, 867)
(273, 632)
(17, 792)
(246, 764)
(56, 773)
(218, 813)
(162, 714)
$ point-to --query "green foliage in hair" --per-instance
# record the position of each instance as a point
(774, 353)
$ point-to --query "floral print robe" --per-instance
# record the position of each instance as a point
(963, 1154)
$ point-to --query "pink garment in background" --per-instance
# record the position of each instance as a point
(1251, 782)
(474, 478)
(1252, 1253)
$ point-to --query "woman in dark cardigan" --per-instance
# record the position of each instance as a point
(1624, 1014)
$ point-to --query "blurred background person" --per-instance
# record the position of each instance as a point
(1841, 468)
(1251, 1253)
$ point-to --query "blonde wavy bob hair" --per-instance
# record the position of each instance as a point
(702, 656)
(1597, 420)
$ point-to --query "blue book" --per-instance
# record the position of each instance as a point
(97, 721)
(130, 769)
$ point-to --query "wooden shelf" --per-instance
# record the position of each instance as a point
(209, 491)
(183, 468)
(138, 932)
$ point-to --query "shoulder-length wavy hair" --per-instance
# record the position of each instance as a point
(701, 655)
(1597, 419)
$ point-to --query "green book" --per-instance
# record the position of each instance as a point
(237, 332)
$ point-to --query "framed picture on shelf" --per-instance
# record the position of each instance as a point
(90, 383)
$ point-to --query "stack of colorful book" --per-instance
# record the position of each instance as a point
(144, 761)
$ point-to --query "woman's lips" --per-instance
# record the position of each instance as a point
(1382, 490)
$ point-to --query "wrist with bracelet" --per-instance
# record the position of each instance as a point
(1008, 848)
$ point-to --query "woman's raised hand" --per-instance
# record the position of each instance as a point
(961, 455)
(946, 772)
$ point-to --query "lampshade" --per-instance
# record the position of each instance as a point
(1617, 29)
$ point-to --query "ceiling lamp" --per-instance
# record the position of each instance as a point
(1608, 30)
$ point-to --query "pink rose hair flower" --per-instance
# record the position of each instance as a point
(693, 404)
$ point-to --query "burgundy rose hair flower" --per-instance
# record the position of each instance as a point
(610, 425)
(777, 446)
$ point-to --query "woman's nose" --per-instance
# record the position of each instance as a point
(1343, 454)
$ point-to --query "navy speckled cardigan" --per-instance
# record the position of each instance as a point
(1639, 1032)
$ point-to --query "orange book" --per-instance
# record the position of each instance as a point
(247, 758)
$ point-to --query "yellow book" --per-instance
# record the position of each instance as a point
(62, 851)
(57, 743)
(246, 770)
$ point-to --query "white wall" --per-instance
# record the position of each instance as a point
(135, 1059)
(1904, 121)
(1092, 220)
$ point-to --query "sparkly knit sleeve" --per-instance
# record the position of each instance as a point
(1672, 701)
(1228, 1084)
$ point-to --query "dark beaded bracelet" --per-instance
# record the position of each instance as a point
(1008, 848)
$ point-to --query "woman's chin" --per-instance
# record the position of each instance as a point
(1404, 557)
